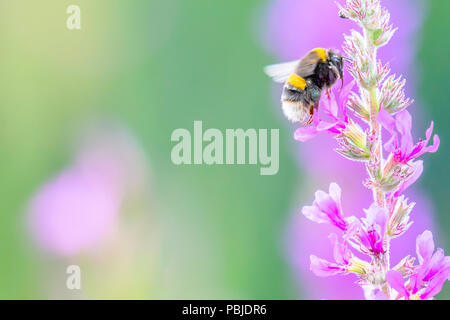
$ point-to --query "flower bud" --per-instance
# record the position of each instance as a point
(352, 143)
(393, 173)
(406, 266)
(399, 220)
(393, 97)
(356, 104)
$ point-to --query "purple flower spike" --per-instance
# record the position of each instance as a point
(357, 120)
(327, 208)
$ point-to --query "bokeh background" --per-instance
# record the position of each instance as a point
(85, 170)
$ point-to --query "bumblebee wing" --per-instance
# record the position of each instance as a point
(308, 64)
(281, 72)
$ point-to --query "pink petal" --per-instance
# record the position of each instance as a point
(316, 118)
(396, 281)
(386, 120)
(324, 126)
(343, 99)
(435, 265)
(340, 251)
(391, 144)
(404, 122)
(343, 96)
(381, 220)
(323, 268)
(433, 288)
(334, 108)
(376, 215)
(314, 214)
(305, 133)
(415, 281)
(429, 131)
(435, 146)
(335, 192)
(353, 227)
(326, 204)
(330, 106)
(379, 295)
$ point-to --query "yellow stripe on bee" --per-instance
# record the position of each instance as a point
(297, 81)
(322, 54)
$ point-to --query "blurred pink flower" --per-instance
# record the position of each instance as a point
(76, 210)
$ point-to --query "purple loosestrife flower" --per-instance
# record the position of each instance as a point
(346, 262)
(352, 139)
(335, 109)
(359, 132)
(399, 219)
(428, 277)
(433, 265)
(371, 233)
(327, 208)
(400, 170)
(303, 233)
(405, 150)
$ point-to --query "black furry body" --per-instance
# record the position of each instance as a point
(309, 96)
(323, 77)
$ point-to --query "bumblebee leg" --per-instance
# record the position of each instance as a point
(310, 120)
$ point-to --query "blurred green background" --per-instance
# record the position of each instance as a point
(156, 66)
(432, 93)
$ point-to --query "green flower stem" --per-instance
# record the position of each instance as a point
(377, 154)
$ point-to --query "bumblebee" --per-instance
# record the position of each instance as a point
(304, 80)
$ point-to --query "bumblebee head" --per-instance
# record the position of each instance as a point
(336, 64)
